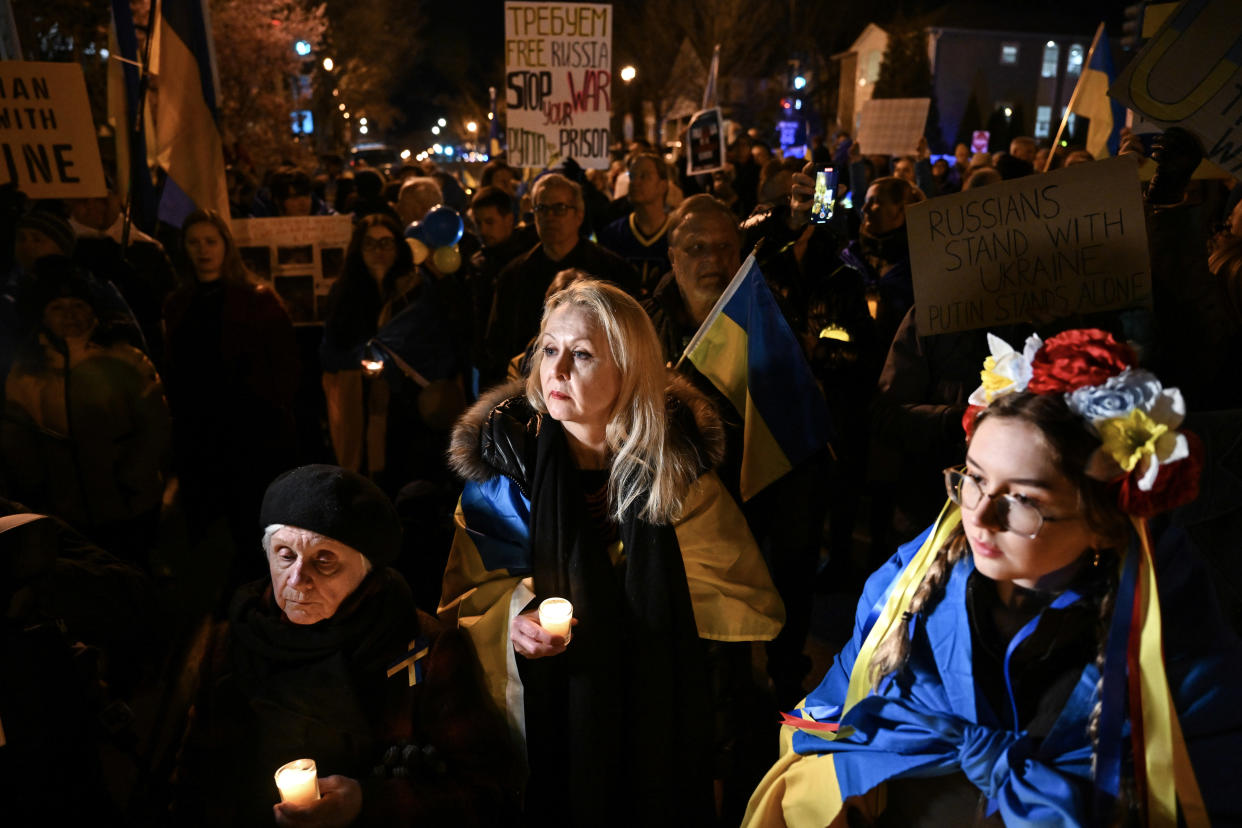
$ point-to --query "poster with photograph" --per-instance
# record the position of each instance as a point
(299, 256)
(706, 137)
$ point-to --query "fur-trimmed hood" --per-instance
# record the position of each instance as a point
(496, 435)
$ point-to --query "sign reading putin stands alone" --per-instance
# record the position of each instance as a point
(1067, 242)
(47, 137)
(558, 83)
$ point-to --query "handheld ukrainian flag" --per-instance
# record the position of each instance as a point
(746, 349)
(1091, 100)
(187, 137)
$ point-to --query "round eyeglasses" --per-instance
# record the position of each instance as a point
(1011, 512)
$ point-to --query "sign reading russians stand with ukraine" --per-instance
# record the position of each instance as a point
(558, 83)
(1072, 241)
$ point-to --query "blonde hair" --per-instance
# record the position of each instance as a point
(643, 463)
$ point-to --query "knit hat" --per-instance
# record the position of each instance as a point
(51, 225)
(338, 504)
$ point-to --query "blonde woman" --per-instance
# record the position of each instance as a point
(593, 483)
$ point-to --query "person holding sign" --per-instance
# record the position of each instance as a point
(1021, 662)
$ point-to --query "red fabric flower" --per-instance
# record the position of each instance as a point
(1073, 359)
(968, 419)
(1176, 485)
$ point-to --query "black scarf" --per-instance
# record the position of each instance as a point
(891, 247)
(614, 729)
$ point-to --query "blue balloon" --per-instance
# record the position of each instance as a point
(416, 231)
(442, 226)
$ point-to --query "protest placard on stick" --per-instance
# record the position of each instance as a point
(558, 83)
(706, 138)
(1073, 241)
(47, 137)
(892, 126)
(1190, 75)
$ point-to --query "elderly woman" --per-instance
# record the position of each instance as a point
(329, 660)
(592, 482)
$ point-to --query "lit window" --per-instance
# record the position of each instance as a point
(1073, 64)
(1043, 121)
(1009, 53)
(1052, 55)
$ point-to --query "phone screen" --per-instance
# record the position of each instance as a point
(825, 200)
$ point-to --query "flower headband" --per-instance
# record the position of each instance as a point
(1154, 465)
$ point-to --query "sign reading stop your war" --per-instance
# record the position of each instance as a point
(558, 83)
(47, 137)
(1066, 242)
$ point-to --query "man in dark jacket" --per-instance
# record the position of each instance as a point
(520, 287)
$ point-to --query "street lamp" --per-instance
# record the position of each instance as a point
(328, 64)
(363, 120)
(341, 107)
(302, 47)
(442, 122)
(628, 73)
(435, 130)
(472, 127)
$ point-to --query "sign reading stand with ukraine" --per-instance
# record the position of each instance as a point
(747, 350)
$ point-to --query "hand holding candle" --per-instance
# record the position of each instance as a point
(298, 782)
(555, 615)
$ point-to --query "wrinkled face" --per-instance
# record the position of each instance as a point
(1011, 456)
(311, 574)
(557, 217)
(68, 318)
(494, 226)
(31, 245)
(646, 186)
(379, 251)
(579, 378)
(205, 247)
(705, 256)
(880, 215)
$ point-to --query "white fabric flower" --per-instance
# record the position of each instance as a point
(1006, 371)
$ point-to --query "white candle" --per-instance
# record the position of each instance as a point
(298, 782)
(555, 615)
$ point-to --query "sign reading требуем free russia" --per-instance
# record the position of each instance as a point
(558, 83)
(1072, 241)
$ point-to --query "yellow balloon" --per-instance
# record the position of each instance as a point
(420, 250)
(446, 259)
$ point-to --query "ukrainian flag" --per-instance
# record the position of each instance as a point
(189, 147)
(1091, 100)
(747, 350)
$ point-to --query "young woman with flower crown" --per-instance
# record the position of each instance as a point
(1020, 663)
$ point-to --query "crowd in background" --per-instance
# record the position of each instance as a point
(152, 391)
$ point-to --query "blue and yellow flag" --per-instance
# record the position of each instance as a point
(187, 137)
(747, 350)
(1091, 100)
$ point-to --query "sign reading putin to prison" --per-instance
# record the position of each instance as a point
(558, 83)
(47, 137)
(1067, 242)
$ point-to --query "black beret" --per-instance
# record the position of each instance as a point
(338, 504)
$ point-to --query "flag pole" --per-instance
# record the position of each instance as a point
(1056, 142)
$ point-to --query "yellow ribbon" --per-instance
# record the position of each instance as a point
(1170, 776)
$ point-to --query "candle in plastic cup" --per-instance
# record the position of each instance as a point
(298, 782)
(555, 615)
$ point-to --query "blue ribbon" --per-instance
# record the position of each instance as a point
(1113, 691)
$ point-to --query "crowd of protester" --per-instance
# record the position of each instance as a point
(154, 390)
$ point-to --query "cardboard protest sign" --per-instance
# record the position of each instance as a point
(979, 140)
(558, 83)
(1190, 75)
(299, 256)
(47, 137)
(892, 126)
(706, 137)
(1065, 242)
